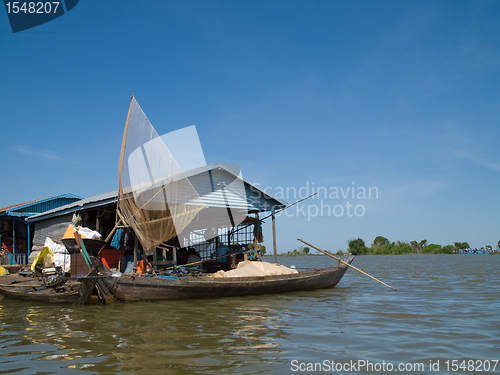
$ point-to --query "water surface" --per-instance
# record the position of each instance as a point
(446, 309)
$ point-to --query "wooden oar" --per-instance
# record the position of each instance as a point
(83, 249)
(19, 286)
(102, 290)
(347, 264)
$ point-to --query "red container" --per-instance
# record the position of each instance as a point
(112, 257)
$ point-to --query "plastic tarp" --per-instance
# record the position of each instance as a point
(251, 268)
(58, 252)
(84, 232)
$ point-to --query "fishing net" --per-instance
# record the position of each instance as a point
(155, 198)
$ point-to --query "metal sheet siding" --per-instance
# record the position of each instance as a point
(259, 202)
(209, 186)
(53, 228)
(253, 198)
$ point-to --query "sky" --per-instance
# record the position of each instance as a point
(397, 102)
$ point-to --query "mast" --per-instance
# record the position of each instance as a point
(122, 151)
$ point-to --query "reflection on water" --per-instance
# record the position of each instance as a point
(446, 308)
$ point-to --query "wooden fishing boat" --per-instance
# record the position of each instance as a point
(160, 202)
(73, 291)
(129, 287)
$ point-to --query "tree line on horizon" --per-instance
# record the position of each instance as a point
(382, 246)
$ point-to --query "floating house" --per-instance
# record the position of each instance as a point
(481, 250)
(16, 235)
(99, 213)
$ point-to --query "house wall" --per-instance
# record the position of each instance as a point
(53, 228)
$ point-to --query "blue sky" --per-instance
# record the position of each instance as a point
(399, 96)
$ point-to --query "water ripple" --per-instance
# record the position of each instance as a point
(446, 308)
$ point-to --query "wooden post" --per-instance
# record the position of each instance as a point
(13, 236)
(154, 262)
(274, 237)
(28, 241)
(97, 220)
(120, 260)
(136, 248)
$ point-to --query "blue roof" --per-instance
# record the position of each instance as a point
(38, 206)
(86, 203)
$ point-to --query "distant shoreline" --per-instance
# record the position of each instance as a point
(321, 255)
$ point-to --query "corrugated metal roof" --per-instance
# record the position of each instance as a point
(95, 201)
(254, 199)
(39, 205)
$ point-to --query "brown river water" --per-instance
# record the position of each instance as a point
(444, 318)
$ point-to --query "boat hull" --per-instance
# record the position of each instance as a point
(140, 288)
(74, 292)
(92, 246)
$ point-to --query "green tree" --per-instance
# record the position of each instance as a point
(415, 247)
(461, 245)
(448, 249)
(432, 249)
(306, 250)
(402, 248)
(387, 249)
(263, 250)
(357, 246)
(489, 247)
(380, 240)
(498, 246)
(378, 243)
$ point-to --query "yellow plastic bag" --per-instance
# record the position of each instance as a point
(41, 256)
(3, 271)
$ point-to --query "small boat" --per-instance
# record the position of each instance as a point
(68, 291)
(131, 287)
(92, 245)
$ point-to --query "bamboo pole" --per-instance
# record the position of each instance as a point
(124, 142)
(347, 264)
(275, 250)
(282, 209)
(110, 237)
(294, 203)
(136, 249)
